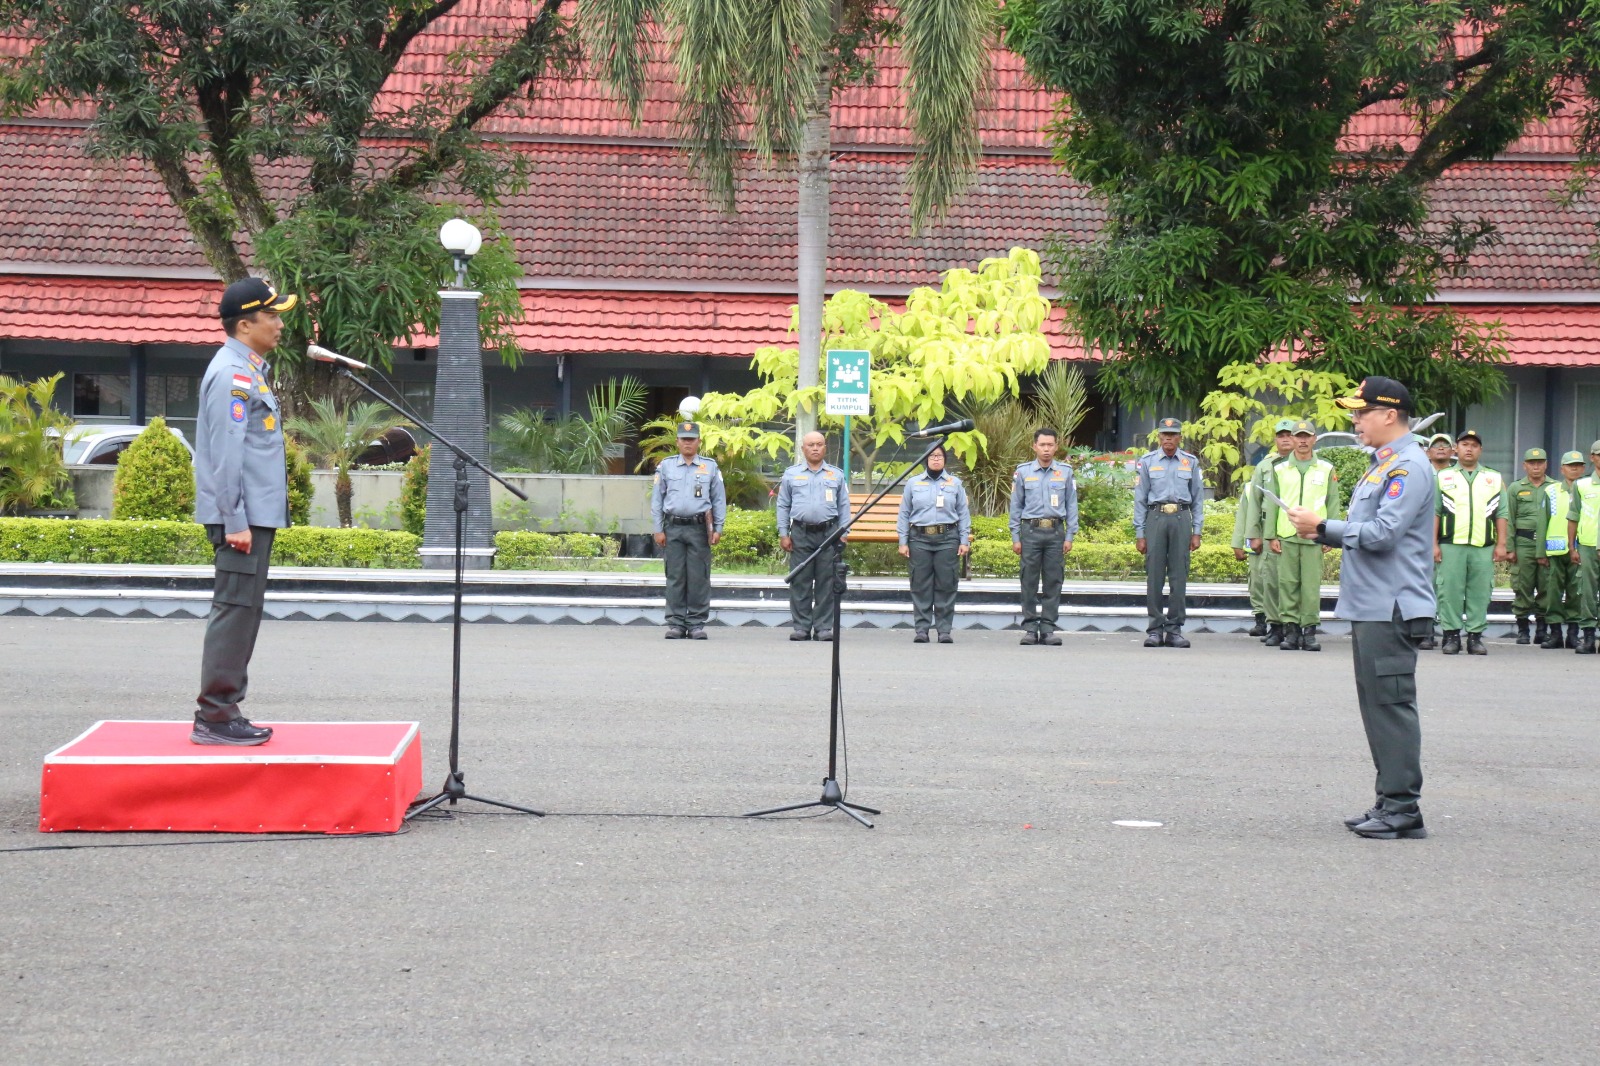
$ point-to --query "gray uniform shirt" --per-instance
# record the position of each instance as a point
(812, 496)
(1044, 492)
(1168, 480)
(685, 489)
(239, 475)
(1387, 538)
(928, 501)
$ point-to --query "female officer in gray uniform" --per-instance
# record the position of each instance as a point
(935, 530)
(1386, 591)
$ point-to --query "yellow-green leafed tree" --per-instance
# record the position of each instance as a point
(969, 340)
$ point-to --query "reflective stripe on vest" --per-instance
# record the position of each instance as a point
(1292, 490)
(1588, 490)
(1555, 527)
(1469, 506)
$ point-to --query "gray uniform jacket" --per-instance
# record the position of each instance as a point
(938, 501)
(812, 496)
(1044, 492)
(1388, 538)
(685, 489)
(1164, 480)
(239, 475)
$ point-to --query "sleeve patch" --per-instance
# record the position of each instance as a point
(239, 394)
(1396, 487)
(236, 410)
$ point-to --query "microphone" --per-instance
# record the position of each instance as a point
(939, 431)
(323, 355)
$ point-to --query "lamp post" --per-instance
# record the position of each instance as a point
(459, 414)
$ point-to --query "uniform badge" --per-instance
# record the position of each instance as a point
(236, 410)
(1396, 487)
(239, 393)
(269, 423)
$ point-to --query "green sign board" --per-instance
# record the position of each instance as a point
(847, 382)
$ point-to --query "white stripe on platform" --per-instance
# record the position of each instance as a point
(254, 755)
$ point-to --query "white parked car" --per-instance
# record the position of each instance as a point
(103, 445)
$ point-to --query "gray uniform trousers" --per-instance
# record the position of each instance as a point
(935, 567)
(688, 566)
(1386, 685)
(812, 592)
(237, 598)
(1167, 562)
(1042, 571)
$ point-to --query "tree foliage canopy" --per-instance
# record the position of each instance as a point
(262, 119)
(1238, 226)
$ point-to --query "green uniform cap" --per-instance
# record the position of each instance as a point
(1569, 458)
(1534, 453)
(1440, 438)
(1305, 428)
(1594, 449)
(1285, 425)
(1466, 433)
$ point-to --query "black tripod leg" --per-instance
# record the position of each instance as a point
(425, 806)
(858, 807)
(790, 807)
(845, 807)
(507, 806)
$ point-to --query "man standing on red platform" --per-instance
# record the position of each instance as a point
(242, 498)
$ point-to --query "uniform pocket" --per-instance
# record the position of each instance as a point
(1397, 678)
(236, 577)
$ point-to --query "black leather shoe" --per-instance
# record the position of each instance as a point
(236, 731)
(697, 633)
(1392, 825)
(1541, 633)
(1585, 643)
(1052, 639)
(1553, 640)
(824, 635)
(1452, 642)
(1308, 639)
(1260, 628)
(1475, 644)
(1154, 639)
(1176, 639)
(921, 637)
(799, 634)
(1291, 637)
(676, 633)
(1274, 635)
(1029, 637)
(1365, 816)
(946, 638)
(1427, 643)
(1523, 636)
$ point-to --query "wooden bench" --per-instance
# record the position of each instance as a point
(877, 526)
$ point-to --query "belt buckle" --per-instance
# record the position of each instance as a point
(1169, 508)
(1045, 523)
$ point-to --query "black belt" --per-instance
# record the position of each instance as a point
(1526, 534)
(1043, 523)
(815, 527)
(692, 520)
(1176, 507)
(933, 531)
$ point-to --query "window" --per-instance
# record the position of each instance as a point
(103, 397)
(1587, 428)
(1497, 421)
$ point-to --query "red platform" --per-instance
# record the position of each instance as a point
(311, 777)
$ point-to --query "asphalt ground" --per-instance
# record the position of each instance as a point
(995, 915)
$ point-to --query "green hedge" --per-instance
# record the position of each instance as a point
(46, 540)
(523, 550)
(748, 537)
(386, 549)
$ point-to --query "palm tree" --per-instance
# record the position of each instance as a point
(772, 66)
(572, 444)
(336, 435)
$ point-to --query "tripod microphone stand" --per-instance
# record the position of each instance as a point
(455, 782)
(832, 795)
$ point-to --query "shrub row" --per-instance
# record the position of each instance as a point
(47, 540)
(522, 550)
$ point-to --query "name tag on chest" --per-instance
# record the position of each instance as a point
(938, 500)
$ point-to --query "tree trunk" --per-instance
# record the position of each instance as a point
(815, 145)
(342, 491)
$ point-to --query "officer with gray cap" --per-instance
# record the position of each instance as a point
(1168, 513)
(1044, 521)
(242, 498)
(1386, 591)
(688, 507)
(813, 501)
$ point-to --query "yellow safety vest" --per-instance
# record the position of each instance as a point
(1588, 490)
(1469, 506)
(1555, 527)
(1293, 490)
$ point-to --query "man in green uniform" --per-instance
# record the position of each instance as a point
(1304, 481)
(1562, 603)
(1583, 531)
(1528, 504)
(1469, 538)
(1249, 538)
(1442, 455)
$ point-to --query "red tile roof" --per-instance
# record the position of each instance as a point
(1545, 334)
(116, 310)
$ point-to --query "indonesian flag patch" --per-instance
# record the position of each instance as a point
(242, 381)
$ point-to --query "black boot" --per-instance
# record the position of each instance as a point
(1274, 635)
(1291, 637)
(1542, 633)
(1522, 632)
(1572, 635)
(1586, 642)
(1429, 642)
(1260, 628)
(1553, 639)
(1475, 644)
(1452, 642)
(1308, 639)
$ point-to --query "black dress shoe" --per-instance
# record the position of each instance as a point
(799, 634)
(1029, 637)
(1365, 816)
(675, 633)
(1427, 643)
(697, 633)
(1475, 644)
(1177, 640)
(1052, 639)
(1154, 639)
(946, 638)
(824, 634)
(921, 637)
(1392, 825)
(237, 732)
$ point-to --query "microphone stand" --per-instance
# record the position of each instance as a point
(832, 795)
(455, 782)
